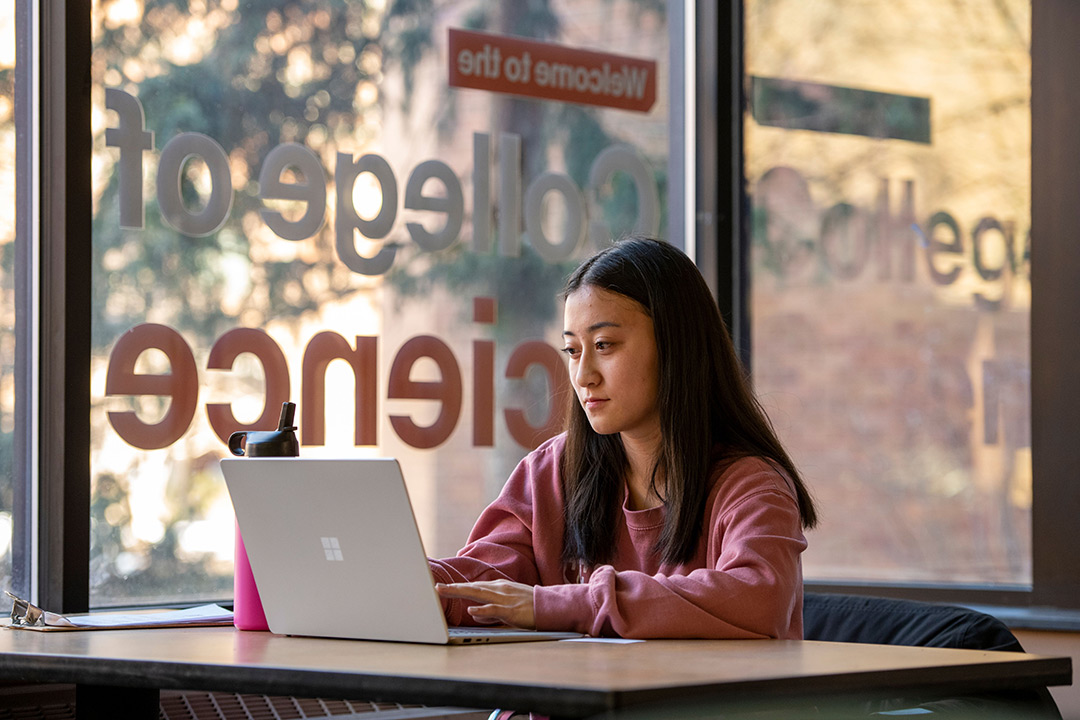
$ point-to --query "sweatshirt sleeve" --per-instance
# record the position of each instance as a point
(500, 546)
(749, 587)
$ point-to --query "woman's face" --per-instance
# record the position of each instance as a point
(613, 362)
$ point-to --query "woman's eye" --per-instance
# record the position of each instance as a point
(602, 345)
(571, 352)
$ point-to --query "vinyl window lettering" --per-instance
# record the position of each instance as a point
(299, 201)
(889, 173)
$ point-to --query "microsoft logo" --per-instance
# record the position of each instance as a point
(332, 548)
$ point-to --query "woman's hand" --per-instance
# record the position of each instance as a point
(499, 601)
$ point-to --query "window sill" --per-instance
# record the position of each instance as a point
(1033, 618)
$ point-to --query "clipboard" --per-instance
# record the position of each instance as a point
(27, 616)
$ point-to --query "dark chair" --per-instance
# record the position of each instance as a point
(886, 621)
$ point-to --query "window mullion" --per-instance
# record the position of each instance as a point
(64, 525)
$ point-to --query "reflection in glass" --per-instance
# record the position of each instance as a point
(888, 157)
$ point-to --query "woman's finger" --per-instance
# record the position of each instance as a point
(508, 602)
(488, 614)
(468, 591)
(480, 591)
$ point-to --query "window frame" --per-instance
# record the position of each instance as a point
(61, 578)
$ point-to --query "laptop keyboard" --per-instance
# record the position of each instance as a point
(482, 631)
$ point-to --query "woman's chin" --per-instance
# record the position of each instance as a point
(601, 428)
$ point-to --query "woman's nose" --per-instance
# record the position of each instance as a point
(585, 373)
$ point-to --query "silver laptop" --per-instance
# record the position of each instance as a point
(335, 552)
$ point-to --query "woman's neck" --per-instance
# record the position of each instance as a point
(641, 456)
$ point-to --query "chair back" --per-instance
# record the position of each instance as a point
(888, 621)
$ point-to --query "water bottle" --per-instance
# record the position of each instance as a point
(248, 611)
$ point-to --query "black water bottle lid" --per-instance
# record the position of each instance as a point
(273, 443)
(288, 412)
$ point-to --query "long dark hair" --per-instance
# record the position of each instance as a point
(708, 412)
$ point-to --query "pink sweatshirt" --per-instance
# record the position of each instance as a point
(745, 580)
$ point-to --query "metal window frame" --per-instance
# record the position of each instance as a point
(61, 34)
(1055, 302)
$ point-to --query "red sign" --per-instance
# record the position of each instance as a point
(505, 64)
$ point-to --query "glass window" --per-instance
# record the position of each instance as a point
(8, 380)
(888, 155)
(293, 203)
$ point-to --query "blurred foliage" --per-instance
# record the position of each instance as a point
(246, 93)
(276, 72)
(527, 286)
(7, 88)
(155, 568)
(7, 266)
(254, 74)
(273, 72)
(7, 338)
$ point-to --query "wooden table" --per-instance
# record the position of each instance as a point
(556, 678)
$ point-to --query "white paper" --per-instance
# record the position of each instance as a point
(203, 614)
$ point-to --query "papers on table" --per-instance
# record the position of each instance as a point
(26, 616)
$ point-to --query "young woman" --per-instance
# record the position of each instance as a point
(668, 508)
